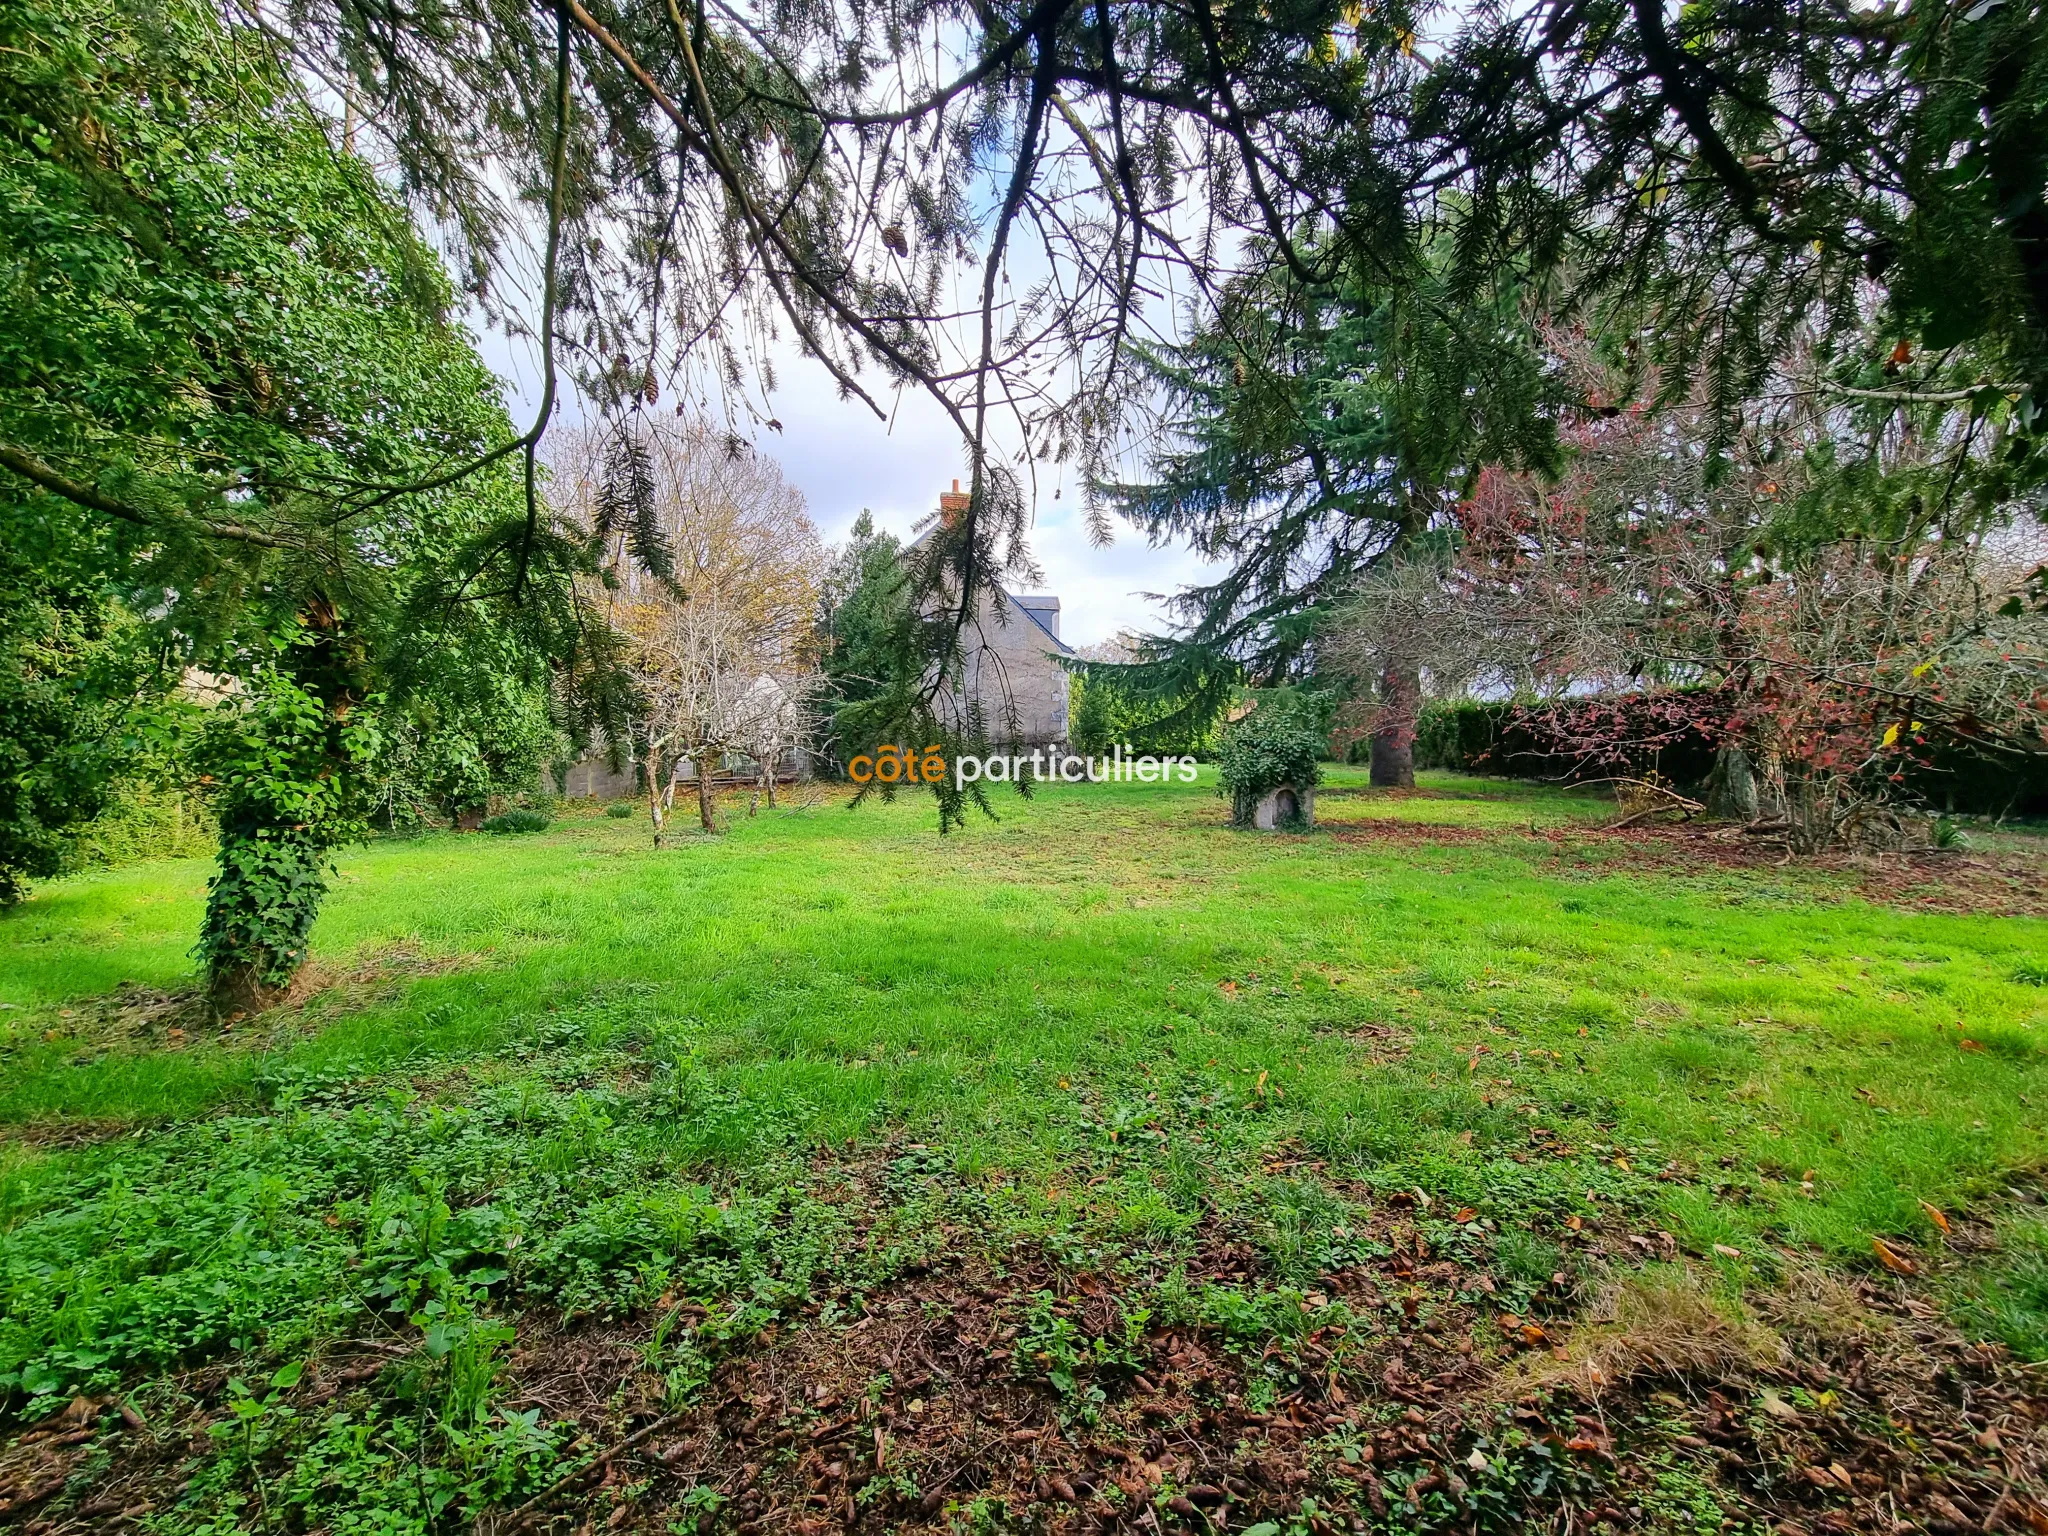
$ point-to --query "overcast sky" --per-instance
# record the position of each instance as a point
(844, 460)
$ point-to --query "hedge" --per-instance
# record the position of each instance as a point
(1654, 731)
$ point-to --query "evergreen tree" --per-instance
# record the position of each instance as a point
(1316, 434)
(866, 609)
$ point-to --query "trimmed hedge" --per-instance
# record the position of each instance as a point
(1521, 740)
(1654, 733)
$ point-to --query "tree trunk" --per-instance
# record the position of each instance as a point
(240, 989)
(655, 805)
(1393, 736)
(704, 806)
(1731, 792)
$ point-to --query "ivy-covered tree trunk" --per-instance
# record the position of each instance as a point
(286, 762)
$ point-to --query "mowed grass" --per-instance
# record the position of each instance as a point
(1761, 1059)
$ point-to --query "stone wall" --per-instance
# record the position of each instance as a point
(1010, 672)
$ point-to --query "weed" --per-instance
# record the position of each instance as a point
(516, 821)
(1054, 1347)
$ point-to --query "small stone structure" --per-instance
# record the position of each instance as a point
(1285, 808)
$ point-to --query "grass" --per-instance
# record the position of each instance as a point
(1106, 1022)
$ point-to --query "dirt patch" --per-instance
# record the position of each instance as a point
(918, 1411)
(2004, 884)
(1996, 885)
(133, 1016)
(55, 1134)
(1003, 1390)
(1369, 792)
(924, 1409)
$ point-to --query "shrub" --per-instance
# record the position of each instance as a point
(516, 821)
(1104, 715)
(619, 810)
(143, 821)
(1271, 746)
(1673, 733)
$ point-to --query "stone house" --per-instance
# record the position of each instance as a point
(1010, 673)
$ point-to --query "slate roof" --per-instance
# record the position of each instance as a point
(1022, 605)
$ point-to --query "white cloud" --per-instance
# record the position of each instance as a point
(844, 460)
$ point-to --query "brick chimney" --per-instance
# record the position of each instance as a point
(952, 503)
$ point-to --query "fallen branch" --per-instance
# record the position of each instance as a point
(1660, 797)
(569, 1480)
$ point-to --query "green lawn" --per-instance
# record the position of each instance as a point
(570, 1073)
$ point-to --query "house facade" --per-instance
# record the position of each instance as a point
(1010, 675)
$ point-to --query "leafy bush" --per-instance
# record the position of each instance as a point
(1103, 715)
(1275, 744)
(517, 821)
(74, 665)
(619, 810)
(484, 738)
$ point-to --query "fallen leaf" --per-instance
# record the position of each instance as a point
(1778, 1408)
(1892, 1259)
(1970, 1045)
(1726, 1252)
(1935, 1216)
(1575, 1223)
(1463, 1213)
